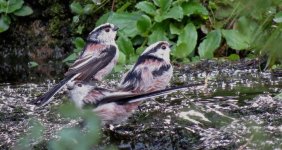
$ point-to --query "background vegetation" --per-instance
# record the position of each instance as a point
(198, 29)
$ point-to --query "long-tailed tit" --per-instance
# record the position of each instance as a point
(151, 72)
(97, 59)
(113, 107)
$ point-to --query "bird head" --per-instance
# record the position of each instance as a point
(160, 49)
(105, 33)
(78, 90)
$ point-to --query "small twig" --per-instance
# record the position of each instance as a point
(113, 5)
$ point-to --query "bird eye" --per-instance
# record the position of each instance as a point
(163, 47)
(107, 29)
(79, 85)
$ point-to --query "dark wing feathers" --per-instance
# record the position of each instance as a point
(140, 97)
(89, 69)
(161, 70)
(133, 75)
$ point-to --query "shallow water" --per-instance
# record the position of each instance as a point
(235, 111)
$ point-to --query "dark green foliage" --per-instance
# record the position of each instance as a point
(9, 9)
(83, 138)
(198, 29)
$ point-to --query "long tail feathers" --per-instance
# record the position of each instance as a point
(141, 97)
(47, 97)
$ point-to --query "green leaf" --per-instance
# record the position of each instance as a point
(3, 6)
(140, 50)
(190, 8)
(79, 43)
(164, 5)
(144, 24)
(24, 11)
(76, 8)
(157, 35)
(147, 7)
(278, 17)
(32, 64)
(126, 22)
(88, 8)
(72, 57)
(234, 57)
(4, 23)
(14, 5)
(189, 36)
(235, 39)
(174, 29)
(124, 7)
(125, 45)
(181, 50)
(175, 12)
(210, 44)
(248, 28)
(121, 58)
(103, 19)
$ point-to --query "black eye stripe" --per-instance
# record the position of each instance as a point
(158, 46)
(103, 27)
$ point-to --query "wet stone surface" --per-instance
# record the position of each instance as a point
(237, 110)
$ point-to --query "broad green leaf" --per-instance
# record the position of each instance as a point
(88, 8)
(76, 8)
(190, 8)
(164, 5)
(126, 22)
(3, 6)
(144, 24)
(147, 7)
(189, 36)
(175, 12)
(234, 57)
(4, 23)
(125, 45)
(235, 39)
(157, 35)
(103, 19)
(248, 28)
(278, 17)
(121, 58)
(210, 44)
(79, 42)
(132, 59)
(174, 29)
(24, 11)
(181, 50)
(157, 2)
(140, 50)
(14, 5)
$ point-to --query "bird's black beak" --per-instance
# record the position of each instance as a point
(115, 28)
(170, 45)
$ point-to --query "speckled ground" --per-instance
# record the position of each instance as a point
(236, 106)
